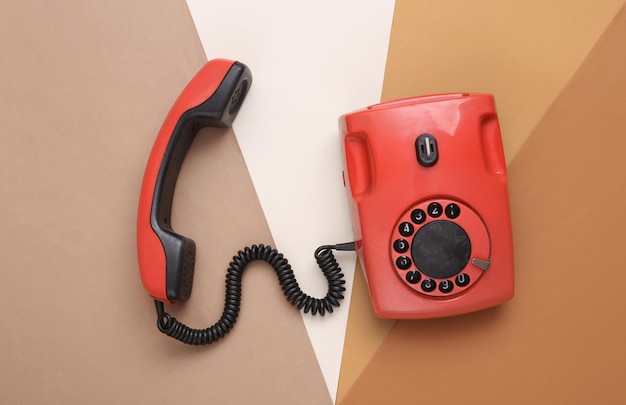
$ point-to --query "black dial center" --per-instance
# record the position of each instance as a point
(441, 249)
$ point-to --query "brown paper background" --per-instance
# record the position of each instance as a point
(561, 339)
(85, 87)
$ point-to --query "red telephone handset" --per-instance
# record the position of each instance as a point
(212, 98)
(166, 259)
(427, 190)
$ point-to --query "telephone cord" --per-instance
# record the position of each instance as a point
(326, 261)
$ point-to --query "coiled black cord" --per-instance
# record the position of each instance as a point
(325, 259)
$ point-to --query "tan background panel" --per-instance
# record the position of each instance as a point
(364, 334)
(86, 86)
(522, 52)
(561, 339)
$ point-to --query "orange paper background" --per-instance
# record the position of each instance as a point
(560, 339)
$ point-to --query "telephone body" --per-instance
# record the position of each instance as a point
(427, 190)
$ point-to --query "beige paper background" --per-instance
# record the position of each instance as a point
(559, 340)
(85, 87)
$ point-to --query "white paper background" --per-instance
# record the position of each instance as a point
(311, 62)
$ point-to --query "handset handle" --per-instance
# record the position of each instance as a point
(211, 99)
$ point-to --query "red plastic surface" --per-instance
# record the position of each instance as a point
(384, 179)
(149, 248)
